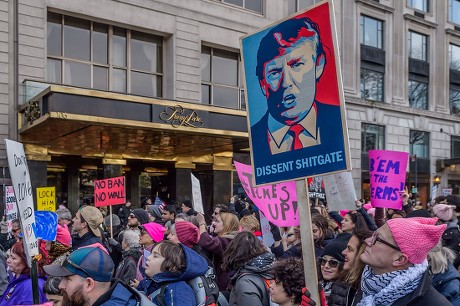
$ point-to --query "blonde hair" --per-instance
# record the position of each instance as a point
(231, 223)
(440, 257)
(250, 222)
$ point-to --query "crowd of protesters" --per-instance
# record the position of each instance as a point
(172, 255)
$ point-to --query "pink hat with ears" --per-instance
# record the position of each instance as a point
(155, 230)
(416, 236)
(344, 212)
(367, 206)
(63, 235)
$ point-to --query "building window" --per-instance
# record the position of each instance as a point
(454, 9)
(454, 101)
(252, 5)
(297, 5)
(418, 46)
(418, 94)
(421, 5)
(371, 85)
(372, 137)
(221, 78)
(371, 32)
(419, 144)
(94, 55)
(454, 56)
(455, 147)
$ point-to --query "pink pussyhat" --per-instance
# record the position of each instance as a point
(155, 230)
(443, 211)
(367, 206)
(344, 212)
(416, 236)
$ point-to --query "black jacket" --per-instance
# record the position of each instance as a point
(85, 240)
(341, 294)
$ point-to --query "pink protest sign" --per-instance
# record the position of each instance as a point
(109, 191)
(278, 202)
(387, 177)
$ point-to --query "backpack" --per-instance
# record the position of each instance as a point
(204, 287)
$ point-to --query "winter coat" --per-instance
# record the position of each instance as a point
(248, 284)
(341, 294)
(140, 270)
(448, 284)
(126, 270)
(3, 274)
(19, 291)
(293, 251)
(85, 240)
(215, 247)
(177, 291)
(123, 214)
(423, 295)
(451, 239)
(122, 295)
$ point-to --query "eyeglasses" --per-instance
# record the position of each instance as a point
(74, 265)
(290, 234)
(132, 216)
(215, 213)
(15, 230)
(333, 263)
(375, 238)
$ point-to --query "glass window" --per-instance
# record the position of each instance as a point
(54, 71)
(143, 84)
(206, 64)
(421, 5)
(253, 5)
(119, 47)
(418, 94)
(454, 9)
(225, 67)
(54, 34)
(119, 80)
(371, 85)
(100, 78)
(419, 144)
(145, 52)
(297, 5)
(454, 146)
(225, 96)
(454, 101)
(100, 39)
(77, 74)
(372, 137)
(418, 46)
(454, 56)
(76, 38)
(371, 32)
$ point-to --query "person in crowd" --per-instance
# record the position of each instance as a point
(251, 224)
(18, 291)
(3, 274)
(60, 248)
(6, 240)
(87, 227)
(353, 220)
(396, 271)
(280, 249)
(64, 217)
(187, 207)
(168, 215)
(344, 289)
(124, 212)
(126, 269)
(249, 265)
(52, 291)
(225, 227)
(395, 213)
(137, 217)
(86, 280)
(169, 266)
(291, 238)
(288, 281)
(446, 279)
(188, 234)
(332, 224)
(330, 264)
(155, 213)
(322, 233)
(218, 209)
(15, 230)
(451, 236)
(113, 244)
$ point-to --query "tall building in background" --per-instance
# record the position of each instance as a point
(153, 90)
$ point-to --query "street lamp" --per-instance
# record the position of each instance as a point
(436, 180)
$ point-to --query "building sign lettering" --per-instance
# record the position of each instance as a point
(178, 116)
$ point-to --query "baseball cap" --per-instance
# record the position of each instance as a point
(93, 217)
(90, 261)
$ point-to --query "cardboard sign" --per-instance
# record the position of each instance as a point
(11, 208)
(196, 195)
(340, 191)
(22, 186)
(316, 188)
(446, 191)
(109, 191)
(387, 174)
(278, 202)
(296, 105)
(46, 198)
(46, 225)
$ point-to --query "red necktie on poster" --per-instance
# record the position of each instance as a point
(295, 132)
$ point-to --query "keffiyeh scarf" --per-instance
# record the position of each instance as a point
(385, 289)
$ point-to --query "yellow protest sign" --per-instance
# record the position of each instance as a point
(46, 198)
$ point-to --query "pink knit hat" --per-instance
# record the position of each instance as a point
(187, 233)
(63, 235)
(443, 211)
(367, 206)
(155, 230)
(416, 236)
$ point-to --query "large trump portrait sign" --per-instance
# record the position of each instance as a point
(296, 109)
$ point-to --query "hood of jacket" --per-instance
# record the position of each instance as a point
(135, 252)
(195, 265)
(261, 265)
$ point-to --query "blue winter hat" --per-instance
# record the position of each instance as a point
(90, 261)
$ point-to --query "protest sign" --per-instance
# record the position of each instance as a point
(387, 177)
(22, 186)
(340, 191)
(446, 191)
(196, 195)
(278, 202)
(11, 209)
(109, 191)
(46, 225)
(267, 236)
(316, 188)
(46, 198)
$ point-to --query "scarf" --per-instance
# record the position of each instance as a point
(385, 289)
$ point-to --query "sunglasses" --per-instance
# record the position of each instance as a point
(333, 263)
(375, 238)
(15, 230)
(132, 216)
(290, 234)
(215, 213)
(75, 266)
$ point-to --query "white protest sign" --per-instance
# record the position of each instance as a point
(11, 209)
(196, 195)
(446, 191)
(340, 191)
(267, 236)
(22, 186)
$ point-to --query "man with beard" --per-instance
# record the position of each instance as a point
(86, 281)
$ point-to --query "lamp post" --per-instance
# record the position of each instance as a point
(415, 189)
